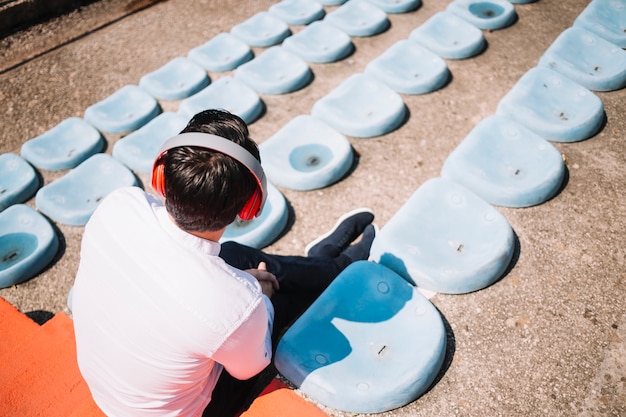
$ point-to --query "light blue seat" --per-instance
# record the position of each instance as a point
(484, 14)
(396, 6)
(446, 239)
(262, 30)
(506, 164)
(224, 52)
(449, 36)
(28, 243)
(409, 68)
(306, 154)
(263, 230)
(226, 93)
(606, 18)
(275, 71)
(18, 181)
(331, 2)
(362, 107)
(370, 343)
(553, 106)
(297, 12)
(179, 78)
(64, 146)
(125, 110)
(72, 198)
(358, 18)
(588, 59)
(139, 149)
(320, 42)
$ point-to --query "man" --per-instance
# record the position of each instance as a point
(168, 321)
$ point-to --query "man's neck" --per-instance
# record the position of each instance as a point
(213, 236)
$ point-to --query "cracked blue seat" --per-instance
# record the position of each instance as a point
(28, 244)
(178, 79)
(506, 164)
(606, 19)
(306, 154)
(262, 30)
(265, 229)
(370, 343)
(553, 106)
(320, 42)
(72, 198)
(449, 36)
(362, 107)
(226, 93)
(409, 68)
(358, 18)
(446, 239)
(224, 52)
(297, 12)
(64, 146)
(125, 110)
(275, 71)
(484, 14)
(588, 59)
(396, 6)
(139, 149)
(18, 181)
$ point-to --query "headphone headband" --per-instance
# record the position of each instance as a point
(217, 143)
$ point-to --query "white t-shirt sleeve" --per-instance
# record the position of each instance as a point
(248, 350)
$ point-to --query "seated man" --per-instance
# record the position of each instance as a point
(168, 321)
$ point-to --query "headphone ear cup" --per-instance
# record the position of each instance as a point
(252, 206)
(158, 176)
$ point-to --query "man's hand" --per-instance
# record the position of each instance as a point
(269, 283)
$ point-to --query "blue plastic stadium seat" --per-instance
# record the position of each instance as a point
(306, 154)
(179, 78)
(139, 149)
(588, 59)
(297, 12)
(446, 239)
(606, 18)
(226, 93)
(396, 6)
(224, 52)
(263, 230)
(409, 68)
(331, 2)
(361, 106)
(484, 14)
(449, 36)
(320, 42)
(262, 30)
(126, 110)
(275, 71)
(370, 343)
(358, 18)
(72, 198)
(28, 244)
(18, 181)
(64, 146)
(553, 106)
(506, 164)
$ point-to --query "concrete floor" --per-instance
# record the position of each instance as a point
(548, 339)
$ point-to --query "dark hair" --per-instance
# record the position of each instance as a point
(206, 189)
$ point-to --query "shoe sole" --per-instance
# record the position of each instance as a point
(343, 217)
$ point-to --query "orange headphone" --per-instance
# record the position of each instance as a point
(254, 205)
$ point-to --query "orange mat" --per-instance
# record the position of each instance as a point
(39, 375)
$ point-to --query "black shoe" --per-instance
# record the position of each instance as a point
(346, 230)
(359, 251)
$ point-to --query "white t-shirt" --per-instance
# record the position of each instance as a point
(157, 313)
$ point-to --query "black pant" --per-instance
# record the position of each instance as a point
(302, 280)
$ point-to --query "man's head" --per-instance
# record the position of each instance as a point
(206, 189)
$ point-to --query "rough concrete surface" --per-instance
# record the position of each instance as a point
(548, 339)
